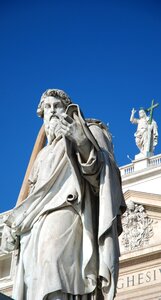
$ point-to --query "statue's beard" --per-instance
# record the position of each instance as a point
(52, 129)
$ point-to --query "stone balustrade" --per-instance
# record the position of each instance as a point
(153, 161)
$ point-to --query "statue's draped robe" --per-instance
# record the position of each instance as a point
(146, 136)
(68, 224)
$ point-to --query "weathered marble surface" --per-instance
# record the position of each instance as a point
(68, 225)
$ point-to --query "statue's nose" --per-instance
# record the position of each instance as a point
(52, 109)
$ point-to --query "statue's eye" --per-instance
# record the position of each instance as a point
(47, 105)
(58, 105)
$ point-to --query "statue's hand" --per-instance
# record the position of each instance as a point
(9, 240)
(133, 111)
(72, 129)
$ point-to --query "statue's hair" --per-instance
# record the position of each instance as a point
(52, 93)
(142, 108)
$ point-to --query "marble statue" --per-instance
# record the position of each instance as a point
(146, 136)
(67, 228)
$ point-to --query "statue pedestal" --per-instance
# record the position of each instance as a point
(139, 156)
(143, 156)
(140, 163)
(4, 297)
(149, 154)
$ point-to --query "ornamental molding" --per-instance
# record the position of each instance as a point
(143, 195)
(150, 201)
(137, 227)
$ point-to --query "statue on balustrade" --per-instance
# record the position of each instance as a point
(67, 228)
(146, 136)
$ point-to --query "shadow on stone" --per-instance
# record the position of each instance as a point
(4, 297)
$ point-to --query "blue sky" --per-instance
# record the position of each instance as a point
(105, 54)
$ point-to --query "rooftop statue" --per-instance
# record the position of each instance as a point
(67, 228)
(146, 136)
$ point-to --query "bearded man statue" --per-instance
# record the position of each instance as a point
(67, 228)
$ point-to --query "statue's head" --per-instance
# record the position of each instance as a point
(58, 94)
(53, 104)
(142, 113)
(131, 205)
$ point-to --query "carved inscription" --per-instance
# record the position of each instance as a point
(150, 276)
